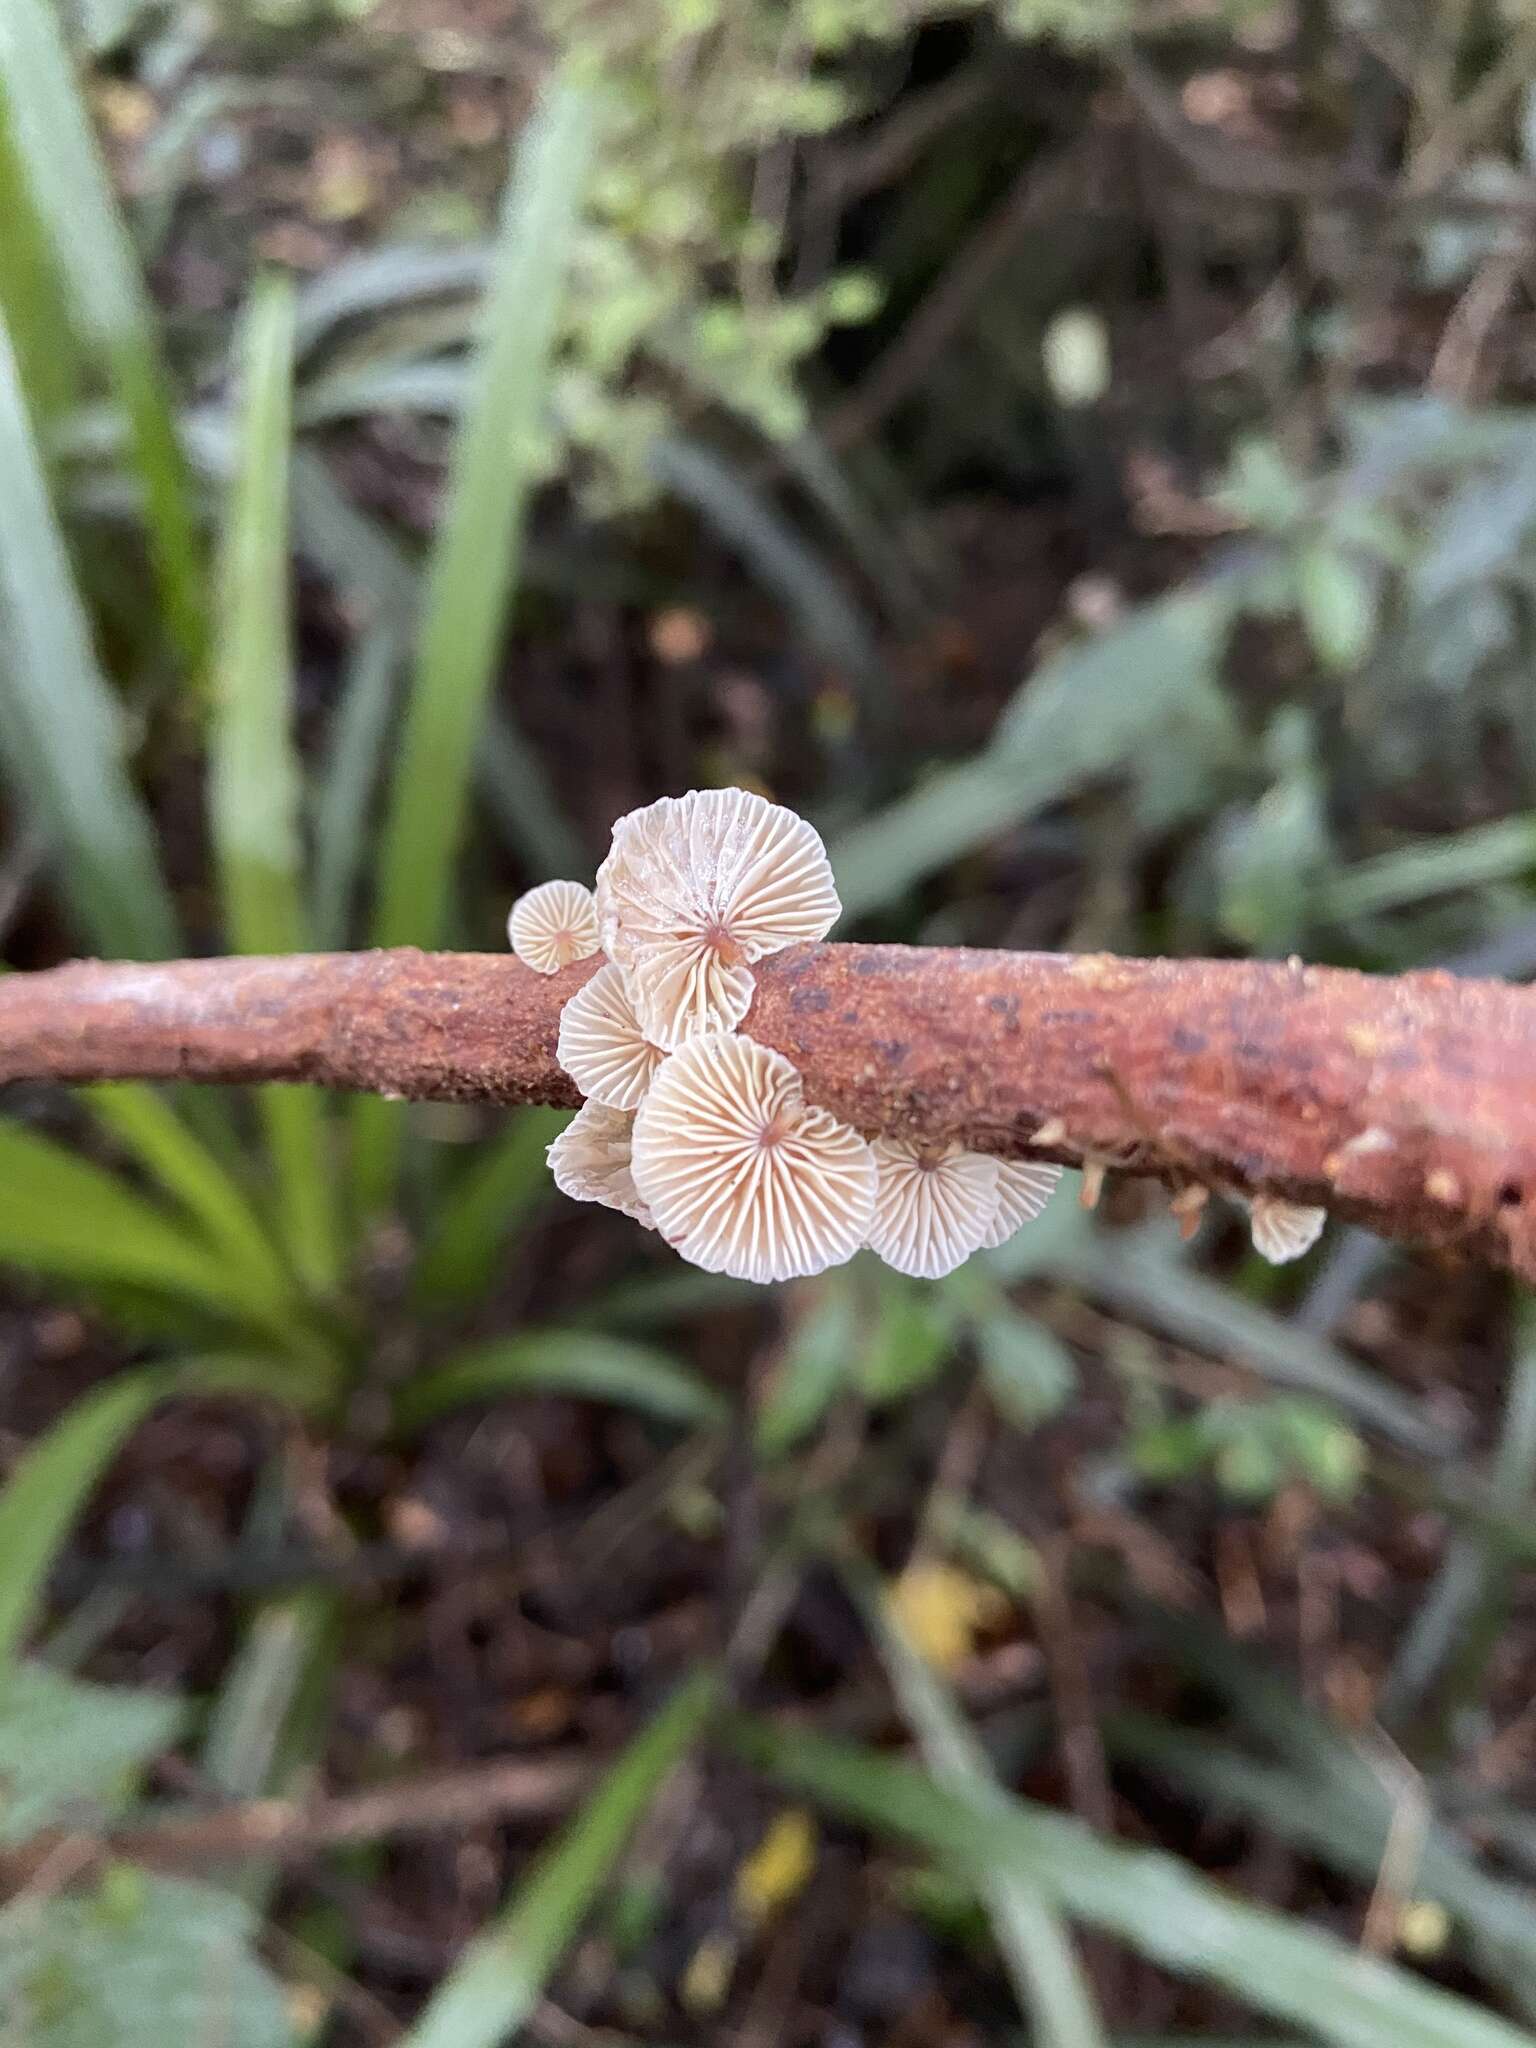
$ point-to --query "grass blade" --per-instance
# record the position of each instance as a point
(48, 1486)
(62, 1216)
(1157, 1904)
(61, 728)
(359, 727)
(498, 1980)
(1037, 1948)
(150, 1129)
(473, 573)
(254, 788)
(73, 195)
(32, 291)
(562, 1362)
(476, 1220)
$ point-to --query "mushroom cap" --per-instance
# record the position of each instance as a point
(590, 1161)
(601, 1045)
(932, 1208)
(553, 925)
(741, 1175)
(697, 887)
(1284, 1230)
(1024, 1186)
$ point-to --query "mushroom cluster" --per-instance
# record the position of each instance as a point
(704, 1135)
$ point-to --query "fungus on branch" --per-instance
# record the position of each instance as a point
(934, 1206)
(741, 1174)
(697, 888)
(553, 926)
(592, 1161)
(601, 1045)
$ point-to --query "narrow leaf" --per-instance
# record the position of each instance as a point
(477, 1220)
(254, 776)
(46, 1490)
(498, 1980)
(73, 194)
(577, 1362)
(61, 730)
(474, 569)
(1157, 1904)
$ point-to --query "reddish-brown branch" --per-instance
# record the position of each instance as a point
(1408, 1104)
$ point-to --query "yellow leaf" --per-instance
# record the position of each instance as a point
(941, 1611)
(778, 1868)
(706, 1983)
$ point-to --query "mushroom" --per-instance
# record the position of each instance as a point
(601, 1045)
(741, 1174)
(590, 1161)
(1284, 1230)
(694, 889)
(553, 925)
(1024, 1186)
(934, 1206)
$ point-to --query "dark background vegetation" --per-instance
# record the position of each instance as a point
(1083, 456)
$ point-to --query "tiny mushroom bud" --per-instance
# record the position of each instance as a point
(553, 925)
(696, 888)
(933, 1207)
(741, 1175)
(601, 1045)
(590, 1161)
(1284, 1230)
(1024, 1186)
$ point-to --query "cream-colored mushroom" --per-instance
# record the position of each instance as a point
(933, 1206)
(1024, 1186)
(1284, 1230)
(741, 1174)
(591, 1161)
(601, 1045)
(696, 888)
(553, 925)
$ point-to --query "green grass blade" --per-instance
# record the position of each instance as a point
(61, 729)
(354, 757)
(146, 1124)
(1157, 1904)
(32, 291)
(473, 573)
(1501, 852)
(65, 1218)
(73, 195)
(254, 790)
(1036, 1947)
(1089, 712)
(498, 1980)
(578, 1362)
(475, 1221)
(47, 1488)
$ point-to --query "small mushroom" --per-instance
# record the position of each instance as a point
(1284, 1230)
(933, 1206)
(553, 925)
(601, 1045)
(590, 1161)
(1024, 1186)
(741, 1175)
(694, 889)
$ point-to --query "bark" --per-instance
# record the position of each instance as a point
(1405, 1103)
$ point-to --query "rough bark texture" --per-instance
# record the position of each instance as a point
(1407, 1104)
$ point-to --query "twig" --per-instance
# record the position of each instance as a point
(1405, 1103)
(511, 1788)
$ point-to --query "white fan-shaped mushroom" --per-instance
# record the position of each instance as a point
(590, 1161)
(694, 889)
(932, 1208)
(741, 1175)
(601, 1045)
(1024, 1186)
(553, 925)
(1284, 1230)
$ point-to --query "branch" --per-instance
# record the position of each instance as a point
(1407, 1104)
